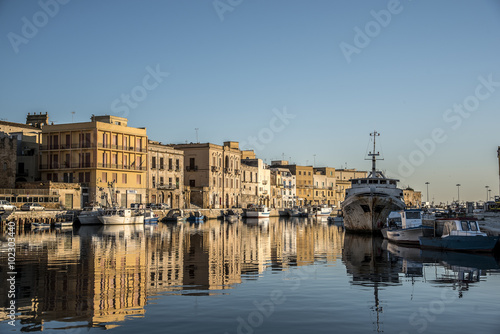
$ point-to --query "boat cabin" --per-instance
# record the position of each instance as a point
(462, 227)
(405, 219)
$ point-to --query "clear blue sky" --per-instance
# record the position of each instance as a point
(233, 68)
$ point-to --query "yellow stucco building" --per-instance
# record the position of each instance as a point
(105, 155)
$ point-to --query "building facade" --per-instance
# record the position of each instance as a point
(325, 186)
(412, 198)
(213, 173)
(283, 189)
(28, 138)
(106, 156)
(249, 185)
(165, 175)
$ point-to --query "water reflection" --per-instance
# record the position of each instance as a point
(100, 276)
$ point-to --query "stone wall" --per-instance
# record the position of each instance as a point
(8, 161)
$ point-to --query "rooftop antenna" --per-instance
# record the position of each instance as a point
(197, 141)
(314, 163)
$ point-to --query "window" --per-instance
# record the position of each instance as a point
(465, 226)
(177, 164)
(124, 178)
(191, 163)
(177, 182)
(161, 163)
(192, 183)
(104, 177)
(87, 176)
(161, 180)
(153, 162)
(114, 177)
(139, 179)
(154, 182)
(300, 173)
(170, 164)
(81, 177)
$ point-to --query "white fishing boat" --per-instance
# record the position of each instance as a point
(321, 211)
(258, 211)
(121, 217)
(90, 215)
(369, 201)
(406, 226)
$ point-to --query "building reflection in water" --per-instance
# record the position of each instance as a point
(99, 276)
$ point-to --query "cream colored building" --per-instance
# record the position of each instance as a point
(263, 180)
(249, 185)
(106, 156)
(324, 179)
(284, 184)
(213, 173)
(165, 175)
(304, 181)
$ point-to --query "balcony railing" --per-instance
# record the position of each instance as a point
(191, 168)
(167, 187)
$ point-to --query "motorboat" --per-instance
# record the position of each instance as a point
(121, 217)
(406, 226)
(150, 217)
(90, 215)
(462, 234)
(258, 211)
(195, 216)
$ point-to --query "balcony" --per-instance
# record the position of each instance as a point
(191, 168)
(167, 187)
(215, 169)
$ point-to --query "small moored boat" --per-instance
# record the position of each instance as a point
(258, 211)
(462, 234)
(406, 226)
(121, 217)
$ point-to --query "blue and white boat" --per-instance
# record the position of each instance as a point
(150, 217)
(196, 217)
(461, 234)
(258, 211)
(406, 226)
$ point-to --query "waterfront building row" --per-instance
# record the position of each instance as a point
(117, 164)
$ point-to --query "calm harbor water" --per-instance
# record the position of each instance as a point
(278, 275)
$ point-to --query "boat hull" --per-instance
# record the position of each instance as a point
(89, 219)
(461, 243)
(119, 220)
(256, 214)
(407, 235)
(366, 213)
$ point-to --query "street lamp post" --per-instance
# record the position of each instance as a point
(458, 187)
(487, 193)
(427, 183)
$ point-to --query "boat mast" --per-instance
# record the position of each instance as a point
(373, 154)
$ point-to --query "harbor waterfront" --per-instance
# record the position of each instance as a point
(248, 276)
